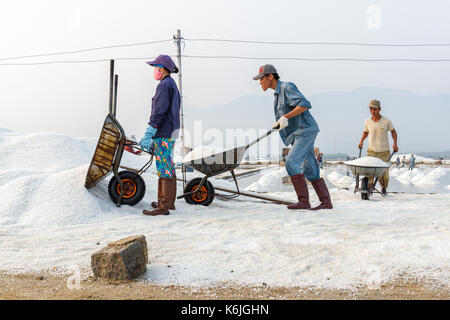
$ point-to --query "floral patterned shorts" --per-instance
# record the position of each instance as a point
(163, 151)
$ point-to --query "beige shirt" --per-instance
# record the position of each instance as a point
(378, 133)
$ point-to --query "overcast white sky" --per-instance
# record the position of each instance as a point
(72, 98)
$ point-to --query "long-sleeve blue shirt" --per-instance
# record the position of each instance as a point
(165, 114)
(287, 97)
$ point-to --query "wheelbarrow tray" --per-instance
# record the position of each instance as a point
(367, 171)
(212, 165)
(218, 163)
(110, 146)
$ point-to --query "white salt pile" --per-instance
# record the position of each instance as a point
(426, 181)
(408, 175)
(395, 172)
(334, 176)
(438, 172)
(345, 182)
(432, 178)
(340, 180)
(201, 152)
(420, 178)
(269, 182)
(368, 162)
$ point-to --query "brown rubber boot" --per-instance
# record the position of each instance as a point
(172, 193)
(163, 205)
(322, 192)
(154, 204)
(301, 189)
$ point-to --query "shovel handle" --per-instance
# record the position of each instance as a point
(268, 133)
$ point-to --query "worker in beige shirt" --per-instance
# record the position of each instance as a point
(376, 128)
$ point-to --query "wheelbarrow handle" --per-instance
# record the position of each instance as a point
(131, 145)
(389, 159)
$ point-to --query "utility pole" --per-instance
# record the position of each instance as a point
(178, 39)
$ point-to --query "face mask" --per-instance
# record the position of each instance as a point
(158, 74)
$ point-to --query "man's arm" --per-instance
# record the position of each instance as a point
(364, 136)
(297, 110)
(283, 121)
(394, 137)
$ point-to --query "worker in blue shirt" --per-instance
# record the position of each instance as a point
(297, 127)
(162, 131)
(412, 161)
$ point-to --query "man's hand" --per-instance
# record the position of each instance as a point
(394, 137)
(282, 123)
(395, 147)
(363, 137)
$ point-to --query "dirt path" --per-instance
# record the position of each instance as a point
(48, 287)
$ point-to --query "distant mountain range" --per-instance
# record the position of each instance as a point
(435, 155)
(422, 121)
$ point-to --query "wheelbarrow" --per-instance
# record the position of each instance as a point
(200, 191)
(127, 186)
(370, 174)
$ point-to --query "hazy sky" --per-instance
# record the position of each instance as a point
(72, 98)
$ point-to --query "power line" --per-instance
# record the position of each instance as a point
(72, 61)
(234, 57)
(227, 57)
(51, 62)
(327, 43)
(86, 50)
(231, 41)
(318, 59)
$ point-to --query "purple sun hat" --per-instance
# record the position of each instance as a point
(164, 60)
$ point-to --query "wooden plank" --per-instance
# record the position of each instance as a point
(240, 174)
(252, 195)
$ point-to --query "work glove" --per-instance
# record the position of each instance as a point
(281, 123)
(146, 141)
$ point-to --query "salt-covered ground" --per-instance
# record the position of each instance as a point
(48, 219)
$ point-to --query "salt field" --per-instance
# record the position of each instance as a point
(49, 221)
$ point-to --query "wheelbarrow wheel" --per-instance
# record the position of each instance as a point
(133, 185)
(365, 188)
(204, 196)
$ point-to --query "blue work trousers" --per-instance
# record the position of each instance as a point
(302, 159)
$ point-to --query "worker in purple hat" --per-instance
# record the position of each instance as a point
(297, 127)
(162, 131)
